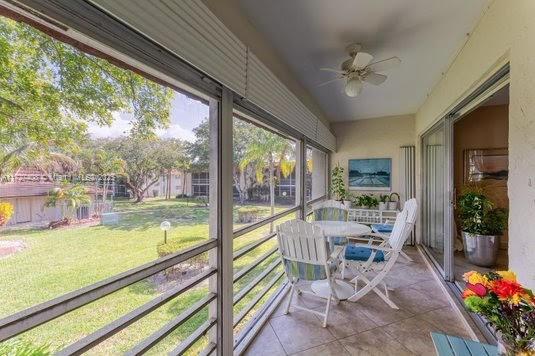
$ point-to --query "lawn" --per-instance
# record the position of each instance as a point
(58, 261)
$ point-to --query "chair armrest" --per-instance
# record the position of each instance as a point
(336, 253)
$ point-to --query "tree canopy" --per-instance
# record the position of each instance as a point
(50, 91)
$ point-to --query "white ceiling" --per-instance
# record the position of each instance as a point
(310, 34)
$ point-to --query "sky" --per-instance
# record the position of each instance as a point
(186, 114)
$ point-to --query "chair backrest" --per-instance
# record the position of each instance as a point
(403, 226)
(302, 242)
(331, 210)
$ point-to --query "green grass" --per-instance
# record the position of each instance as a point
(59, 261)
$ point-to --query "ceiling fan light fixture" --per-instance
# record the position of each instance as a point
(353, 87)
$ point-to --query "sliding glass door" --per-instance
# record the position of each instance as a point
(434, 197)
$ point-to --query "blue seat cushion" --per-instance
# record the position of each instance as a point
(384, 228)
(357, 253)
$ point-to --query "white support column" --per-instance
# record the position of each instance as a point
(319, 162)
(300, 169)
(225, 337)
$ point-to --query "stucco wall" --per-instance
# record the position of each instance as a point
(373, 138)
(505, 33)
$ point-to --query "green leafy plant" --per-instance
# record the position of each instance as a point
(69, 197)
(19, 347)
(366, 200)
(338, 186)
(478, 215)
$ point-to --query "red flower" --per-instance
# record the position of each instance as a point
(505, 289)
(477, 288)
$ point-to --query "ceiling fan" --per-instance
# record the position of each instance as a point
(359, 69)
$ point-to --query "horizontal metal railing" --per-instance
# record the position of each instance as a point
(39, 314)
(251, 227)
(192, 339)
(257, 298)
(161, 333)
(114, 327)
(241, 273)
(242, 252)
(245, 290)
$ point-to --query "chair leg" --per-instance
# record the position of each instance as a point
(343, 269)
(287, 309)
(327, 311)
(405, 256)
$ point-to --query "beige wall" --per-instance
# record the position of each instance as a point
(373, 138)
(231, 14)
(505, 33)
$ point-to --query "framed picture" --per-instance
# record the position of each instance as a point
(370, 174)
(486, 164)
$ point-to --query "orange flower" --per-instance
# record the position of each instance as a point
(468, 293)
(507, 275)
(505, 289)
(473, 277)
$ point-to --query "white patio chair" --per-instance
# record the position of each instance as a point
(379, 258)
(332, 210)
(305, 256)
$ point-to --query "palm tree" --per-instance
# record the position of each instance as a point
(70, 197)
(268, 151)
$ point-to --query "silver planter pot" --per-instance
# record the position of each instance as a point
(481, 250)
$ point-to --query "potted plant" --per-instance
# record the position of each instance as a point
(508, 307)
(393, 204)
(481, 225)
(383, 201)
(338, 186)
(368, 201)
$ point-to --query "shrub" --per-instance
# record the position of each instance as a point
(165, 249)
(6, 212)
(248, 214)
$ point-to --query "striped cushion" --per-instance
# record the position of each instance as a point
(307, 271)
(332, 214)
(354, 253)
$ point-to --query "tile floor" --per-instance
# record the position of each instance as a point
(368, 327)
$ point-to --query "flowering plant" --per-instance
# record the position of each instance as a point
(509, 308)
(6, 211)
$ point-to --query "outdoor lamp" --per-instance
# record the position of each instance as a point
(165, 226)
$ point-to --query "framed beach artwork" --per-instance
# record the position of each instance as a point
(486, 164)
(370, 174)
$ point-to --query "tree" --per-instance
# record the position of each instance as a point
(70, 197)
(49, 91)
(268, 151)
(146, 160)
(198, 151)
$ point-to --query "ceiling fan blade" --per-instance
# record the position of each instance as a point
(385, 64)
(332, 70)
(374, 78)
(361, 60)
(328, 82)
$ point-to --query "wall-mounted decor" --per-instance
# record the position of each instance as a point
(370, 174)
(485, 164)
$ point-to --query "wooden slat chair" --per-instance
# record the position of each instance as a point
(332, 210)
(305, 256)
(366, 258)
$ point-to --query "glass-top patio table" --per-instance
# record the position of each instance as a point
(331, 229)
